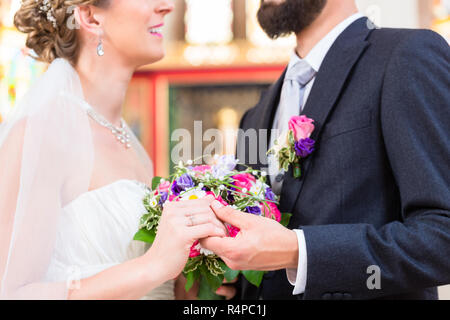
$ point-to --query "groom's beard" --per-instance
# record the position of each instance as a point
(290, 16)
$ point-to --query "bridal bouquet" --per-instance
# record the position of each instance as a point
(246, 191)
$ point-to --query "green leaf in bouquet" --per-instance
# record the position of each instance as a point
(254, 277)
(191, 277)
(143, 221)
(285, 218)
(155, 182)
(205, 292)
(151, 209)
(229, 274)
(147, 205)
(150, 221)
(180, 169)
(145, 235)
(212, 263)
(213, 281)
(193, 264)
(152, 224)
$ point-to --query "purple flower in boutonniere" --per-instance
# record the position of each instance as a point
(304, 147)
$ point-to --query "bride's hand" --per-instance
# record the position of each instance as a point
(181, 224)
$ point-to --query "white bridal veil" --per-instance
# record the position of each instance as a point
(46, 161)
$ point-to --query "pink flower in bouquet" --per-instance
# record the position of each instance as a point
(202, 169)
(164, 186)
(270, 210)
(232, 230)
(244, 180)
(219, 198)
(194, 251)
(302, 127)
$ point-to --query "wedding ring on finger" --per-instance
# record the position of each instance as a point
(191, 222)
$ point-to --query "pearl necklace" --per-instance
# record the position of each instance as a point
(119, 132)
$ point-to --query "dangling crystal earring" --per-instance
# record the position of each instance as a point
(100, 51)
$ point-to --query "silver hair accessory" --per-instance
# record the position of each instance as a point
(47, 9)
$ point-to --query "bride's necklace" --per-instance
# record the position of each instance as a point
(119, 132)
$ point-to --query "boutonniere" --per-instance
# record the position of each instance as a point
(295, 144)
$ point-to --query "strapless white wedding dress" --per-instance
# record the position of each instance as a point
(96, 232)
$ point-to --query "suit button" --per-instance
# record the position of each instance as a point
(326, 296)
(347, 296)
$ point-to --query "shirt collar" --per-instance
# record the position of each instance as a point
(316, 56)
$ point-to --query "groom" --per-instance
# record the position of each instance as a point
(371, 210)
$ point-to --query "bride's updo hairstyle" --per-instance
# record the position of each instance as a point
(51, 27)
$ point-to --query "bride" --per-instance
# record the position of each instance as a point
(73, 175)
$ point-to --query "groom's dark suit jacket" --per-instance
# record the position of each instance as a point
(376, 191)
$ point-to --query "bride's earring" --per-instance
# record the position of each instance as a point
(100, 51)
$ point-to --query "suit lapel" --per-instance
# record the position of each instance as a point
(269, 104)
(264, 114)
(326, 90)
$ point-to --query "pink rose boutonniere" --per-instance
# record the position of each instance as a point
(295, 144)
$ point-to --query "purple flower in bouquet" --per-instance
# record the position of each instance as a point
(181, 184)
(253, 210)
(163, 199)
(304, 147)
(225, 165)
(230, 196)
(269, 194)
(228, 161)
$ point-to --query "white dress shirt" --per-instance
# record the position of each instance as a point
(298, 277)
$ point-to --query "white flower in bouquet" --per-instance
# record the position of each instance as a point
(204, 251)
(193, 194)
(224, 166)
(258, 189)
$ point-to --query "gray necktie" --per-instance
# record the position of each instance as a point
(291, 104)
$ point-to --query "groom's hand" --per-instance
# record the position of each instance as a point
(262, 244)
(227, 290)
